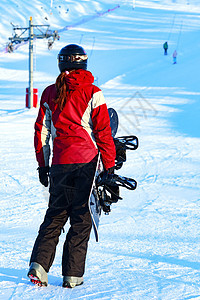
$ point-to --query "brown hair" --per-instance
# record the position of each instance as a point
(62, 90)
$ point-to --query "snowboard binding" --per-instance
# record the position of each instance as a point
(106, 200)
(105, 179)
(107, 185)
(122, 144)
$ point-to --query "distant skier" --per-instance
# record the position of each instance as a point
(165, 47)
(73, 111)
(174, 55)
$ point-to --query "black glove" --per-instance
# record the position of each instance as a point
(111, 170)
(43, 175)
(102, 177)
(113, 189)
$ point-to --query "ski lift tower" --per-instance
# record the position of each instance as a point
(17, 39)
(30, 90)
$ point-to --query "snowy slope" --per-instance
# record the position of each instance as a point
(149, 245)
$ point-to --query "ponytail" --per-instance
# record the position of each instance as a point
(61, 88)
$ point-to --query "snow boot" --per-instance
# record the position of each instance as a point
(72, 281)
(37, 274)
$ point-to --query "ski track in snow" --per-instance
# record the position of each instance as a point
(149, 244)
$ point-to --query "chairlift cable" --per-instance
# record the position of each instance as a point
(171, 27)
(92, 47)
(179, 36)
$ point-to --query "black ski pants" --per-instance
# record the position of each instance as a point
(69, 193)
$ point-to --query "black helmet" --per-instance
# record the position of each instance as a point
(72, 57)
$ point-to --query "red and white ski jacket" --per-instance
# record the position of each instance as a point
(79, 130)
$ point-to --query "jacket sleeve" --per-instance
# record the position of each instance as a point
(102, 130)
(43, 132)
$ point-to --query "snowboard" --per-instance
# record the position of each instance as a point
(94, 200)
(101, 194)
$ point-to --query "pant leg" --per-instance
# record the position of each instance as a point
(45, 245)
(61, 195)
(75, 246)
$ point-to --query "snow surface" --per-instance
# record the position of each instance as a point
(149, 245)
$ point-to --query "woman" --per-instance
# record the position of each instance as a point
(73, 111)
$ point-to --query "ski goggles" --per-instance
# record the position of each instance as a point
(72, 58)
